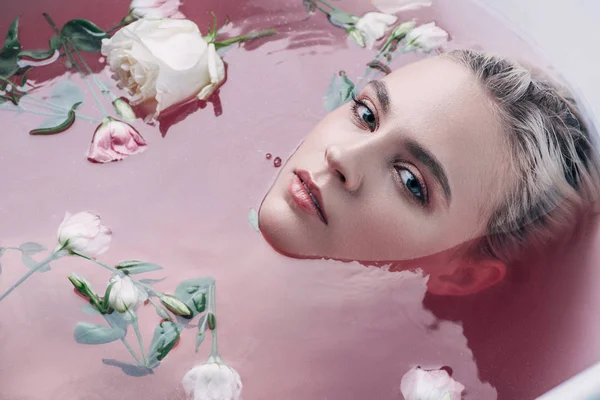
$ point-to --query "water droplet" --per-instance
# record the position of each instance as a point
(268, 156)
(277, 162)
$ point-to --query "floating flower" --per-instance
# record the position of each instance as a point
(213, 380)
(395, 6)
(113, 141)
(419, 384)
(83, 233)
(124, 294)
(155, 9)
(373, 25)
(427, 37)
(163, 62)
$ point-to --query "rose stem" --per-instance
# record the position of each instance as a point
(242, 38)
(29, 273)
(126, 343)
(136, 328)
(74, 62)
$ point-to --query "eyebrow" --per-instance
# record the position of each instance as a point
(429, 160)
(382, 94)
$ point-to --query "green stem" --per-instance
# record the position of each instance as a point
(95, 261)
(213, 309)
(139, 337)
(326, 3)
(32, 271)
(98, 83)
(127, 345)
(74, 62)
(51, 23)
(157, 307)
(242, 38)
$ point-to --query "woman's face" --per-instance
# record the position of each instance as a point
(411, 167)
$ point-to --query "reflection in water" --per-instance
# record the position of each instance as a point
(293, 329)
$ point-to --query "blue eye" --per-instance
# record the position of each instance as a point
(412, 184)
(364, 114)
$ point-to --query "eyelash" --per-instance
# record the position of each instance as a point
(359, 103)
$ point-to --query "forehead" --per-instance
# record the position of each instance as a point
(440, 104)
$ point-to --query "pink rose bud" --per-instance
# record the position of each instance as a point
(113, 141)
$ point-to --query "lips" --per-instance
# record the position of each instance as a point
(307, 194)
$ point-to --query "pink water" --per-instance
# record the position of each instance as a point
(293, 329)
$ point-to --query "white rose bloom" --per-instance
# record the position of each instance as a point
(84, 233)
(395, 6)
(427, 37)
(156, 9)
(124, 295)
(213, 380)
(418, 384)
(166, 61)
(373, 25)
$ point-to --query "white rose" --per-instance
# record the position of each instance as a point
(165, 60)
(394, 6)
(373, 25)
(213, 380)
(427, 37)
(124, 295)
(419, 384)
(83, 233)
(156, 9)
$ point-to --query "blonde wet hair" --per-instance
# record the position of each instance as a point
(553, 165)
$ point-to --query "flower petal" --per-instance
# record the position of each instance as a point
(395, 6)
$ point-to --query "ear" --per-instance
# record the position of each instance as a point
(467, 277)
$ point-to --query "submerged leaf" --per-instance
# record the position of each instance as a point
(89, 309)
(193, 293)
(53, 125)
(253, 218)
(65, 94)
(128, 369)
(137, 267)
(31, 248)
(339, 91)
(32, 264)
(86, 333)
(165, 336)
(84, 35)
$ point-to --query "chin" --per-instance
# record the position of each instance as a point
(282, 231)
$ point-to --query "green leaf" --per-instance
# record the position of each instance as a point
(339, 91)
(89, 309)
(212, 321)
(12, 37)
(31, 263)
(253, 218)
(201, 329)
(128, 368)
(86, 333)
(162, 313)
(55, 42)
(137, 267)
(24, 77)
(83, 35)
(54, 125)
(105, 304)
(341, 19)
(31, 248)
(37, 54)
(193, 293)
(165, 336)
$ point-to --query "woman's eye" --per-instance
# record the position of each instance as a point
(412, 184)
(367, 116)
(364, 114)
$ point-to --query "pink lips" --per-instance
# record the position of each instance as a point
(307, 195)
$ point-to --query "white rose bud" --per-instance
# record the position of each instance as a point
(83, 233)
(373, 25)
(213, 380)
(427, 37)
(419, 384)
(124, 295)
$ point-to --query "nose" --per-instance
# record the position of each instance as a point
(342, 161)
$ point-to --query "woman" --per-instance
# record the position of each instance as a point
(460, 161)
